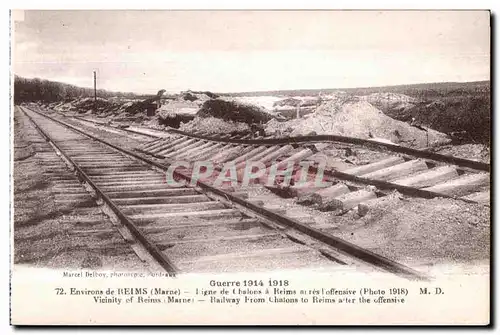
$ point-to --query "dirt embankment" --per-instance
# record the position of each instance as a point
(218, 116)
(466, 117)
(353, 117)
(463, 115)
(424, 232)
(174, 113)
(89, 106)
(421, 233)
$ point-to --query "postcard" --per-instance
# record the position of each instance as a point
(250, 167)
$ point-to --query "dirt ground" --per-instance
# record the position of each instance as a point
(424, 234)
(478, 152)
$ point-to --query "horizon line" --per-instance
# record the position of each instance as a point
(263, 91)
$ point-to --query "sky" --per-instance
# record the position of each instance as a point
(236, 51)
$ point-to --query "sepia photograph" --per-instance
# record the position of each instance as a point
(250, 167)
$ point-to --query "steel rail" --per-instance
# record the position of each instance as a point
(349, 140)
(346, 247)
(382, 185)
(119, 128)
(157, 254)
(295, 140)
(388, 186)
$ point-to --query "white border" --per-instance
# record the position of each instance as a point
(186, 4)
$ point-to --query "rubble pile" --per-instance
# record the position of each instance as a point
(336, 113)
(354, 117)
(88, 105)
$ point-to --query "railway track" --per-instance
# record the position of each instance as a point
(411, 172)
(197, 228)
(74, 208)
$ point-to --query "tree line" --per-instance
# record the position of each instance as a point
(36, 89)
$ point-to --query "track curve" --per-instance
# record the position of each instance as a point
(91, 170)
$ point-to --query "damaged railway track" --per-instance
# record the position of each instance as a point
(411, 172)
(198, 228)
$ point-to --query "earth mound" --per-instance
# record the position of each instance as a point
(233, 111)
(174, 113)
(351, 116)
